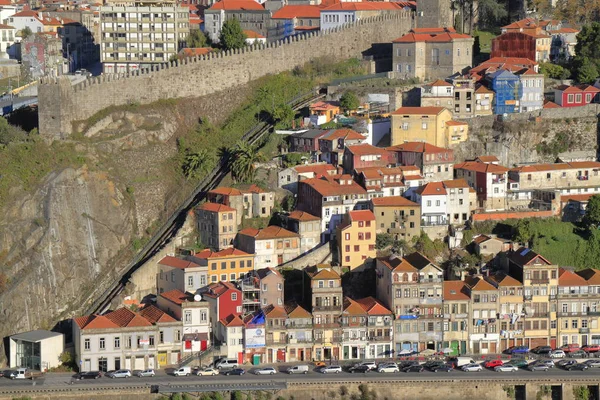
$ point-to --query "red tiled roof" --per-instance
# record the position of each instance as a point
(557, 166)
(175, 296)
(323, 105)
(550, 104)
(347, 134)
(479, 284)
(393, 201)
(328, 188)
(582, 198)
(455, 183)
(503, 280)
(270, 232)
(397, 264)
(300, 11)
(373, 306)
(456, 290)
(487, 159)
(570, 278)
(272, 311)
(361, 215)
(232, 320)
(432, 189)
(418, 111)
(322, 273)
(439, 37)
(4, 26)
(253, 35)
(236, 5)
(303, 216)
(175, 262)
(155, 315)
(229, 252)
(592, 276)
(94, 322)
(351, 307)
(127, 318)
(226, 191)
(317, 169)
(455, 123)
(524, 23)
(481, 167)
(418, 147)
(216, 207)
(295, 311)
(439, 82)
(365, 149)
(219, 288)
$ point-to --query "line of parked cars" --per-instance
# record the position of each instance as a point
(568, 350)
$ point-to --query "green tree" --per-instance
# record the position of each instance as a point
(349, 101)
(283, 115)
(586, 70)
(232, 36)
(293, 159)
(196, 38)
(476, 46)
(554, 71)
(383, 240)
(586, 63)
(197, 163)
(592, 212)
(581, 392)
(26, 32)
(237, 395)
(244, 157)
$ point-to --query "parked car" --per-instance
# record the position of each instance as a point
(538, 366)
(21, 373)
(591, 348)
(541, 350)
(558, 353)
(265, 371)
(359, 369)
(568, 348)
(519, 350)
(388, 368)
(592, 363)
(460, 361)
(227, 363)
(331, 369)
(235, 371)
(549, 363)
(577, 354)
(566, 363)
(407, 363)
(297, 369)
(443, 368)
(519, 363)
(472, 368)
(370, 364)
(210, 371)
(183, 371)
(89, 375)
(413, 368)
(577, 367)
(506, 368)
(493, 363)
(121, 373)
(146, 373)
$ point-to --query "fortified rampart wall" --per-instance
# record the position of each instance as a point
(61, 103)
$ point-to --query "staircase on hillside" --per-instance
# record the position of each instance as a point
(204, 357)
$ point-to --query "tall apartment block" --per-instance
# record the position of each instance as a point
(136, 34)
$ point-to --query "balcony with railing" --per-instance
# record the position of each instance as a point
(379, 338)
(430, 300)
(539, 281)
(281, 340)
(295, 340)
(571, 313)
(583, 177)
(327, 308)
(332, 339)
(298, 326)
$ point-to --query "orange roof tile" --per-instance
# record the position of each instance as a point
(455, 184)
(215, 207)
(95, 322)
(503, 280)
(418, 147)
(479, 284)
(432, 189)
(397, 264)
(363, 6)
(351, 307)
(570, 278)
(155, 315)
(365, 149)
(300, 11)
(225, 253)
(318, 273)
(272, 311)
(487, 159)
(303, 216)
(127, 318)
(592, 276)
(581, 198)
(455, 123)
(373, 306)
(270, 232)
(345, 133)
(226, 191)
(317, 169)
(175, 262)
(550, 104)
(295, 311)
(481, 167)
(361, 215)
(217, 289)
(324, 105)
(253, 35)
(456, 290)
(232, 320)
(439, 82)
(175, 296)
(418, 111)
(444, 37)
(328, 188)
(393, 201)
(236, 5)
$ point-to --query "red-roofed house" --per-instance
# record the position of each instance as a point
(230, 331)
(433, 199)
(436, 163)
(433, 125)
(367, 328)
(271, 246)
(322, 112)
(534, 46)
(181, 274)
(224, 300)
(457, 300)
(488, 180)
(251, 15)
(365, 156)
(229, 264)
(126, 339)
(194, 312)
(447, 53)
(293, 19)
(26, 19)
(306, 225)
(356, 239)
(333, 143)
(289, 177)
(574, 96)
(249, 201)
(217, 225)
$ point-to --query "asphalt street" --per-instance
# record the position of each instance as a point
(162, 378)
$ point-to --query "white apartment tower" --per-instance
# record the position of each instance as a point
(136, 34)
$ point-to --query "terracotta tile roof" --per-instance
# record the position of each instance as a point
(570, 278)
(175, 262)
(478, 284)
(4, 26)
(329, 188)
(483, 89)
(300, 11)
(439, 82)
(455, 123)
(434, 37)
(215, 207)
(418, 111)
(95, 322)
(524, 23)
(270, 232)
(345, 133)
(253, 35)
(503, 280)
(455, 184)
(565, 30)
(232, 320)
(524, 256)
(318, 273)
(577, 88)
(418, 147)
(303, 216)
(351, 307)
(264, 272)
(592, 276)
(456, 290)
(361, 215)
(226, 191)
(363, 6)
(432, 189)
(272, 311)
(373, 306)
(324, 105)
(317, 169)
(397, 264)
(295, 311)
(393, 201)
(481, 167)
(365, 149)
(481, 238)
(127, 318)
(217, 289)
(229, 252)
(581, 198)
(175, 296)
(26, 13)
(550, 104)
(486, 159)
(155, 315)
(236, 5)
(557, 166)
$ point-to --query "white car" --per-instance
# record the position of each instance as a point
(558, 353)
(388, 368)
(265, 371)
(331, 369)
(370, 364)
(210, 371)
(506, 368)
(472, 368)
(145, 373)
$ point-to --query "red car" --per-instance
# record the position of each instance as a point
(493, 363)
(591, 348)
(567, 348)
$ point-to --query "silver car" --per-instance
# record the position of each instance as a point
(472, 368)
(331, 369)
(122, 373)
(537, 366)
(592, 363)
(506, 368)
(146, 373)
(265, 371)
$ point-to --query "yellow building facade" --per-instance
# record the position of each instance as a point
(433, 125)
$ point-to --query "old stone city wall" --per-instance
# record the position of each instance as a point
(61, 103)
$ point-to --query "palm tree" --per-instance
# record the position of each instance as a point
(197, 163)
(245, 155)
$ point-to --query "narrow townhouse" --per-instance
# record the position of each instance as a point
(457, 301)
(299, 325)
(356, 239)
(485, 332)
(276, 332)
(510, 298)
